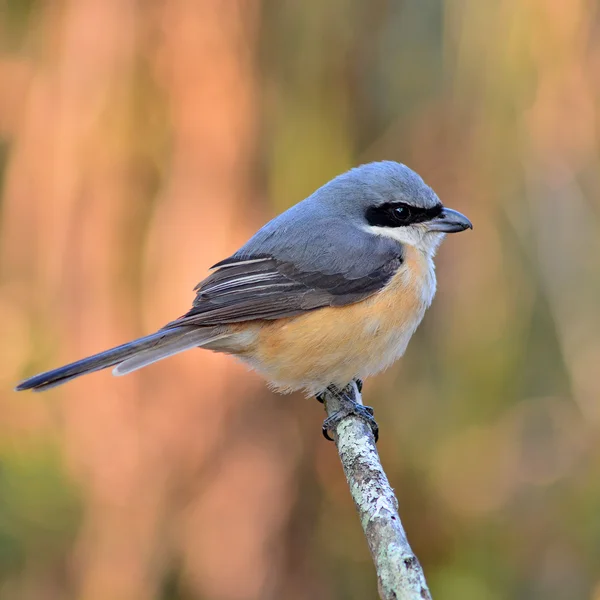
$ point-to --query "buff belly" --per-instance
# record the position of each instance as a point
(334, 345)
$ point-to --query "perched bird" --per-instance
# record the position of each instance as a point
(328, 292)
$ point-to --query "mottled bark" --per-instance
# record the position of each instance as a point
(399, 573)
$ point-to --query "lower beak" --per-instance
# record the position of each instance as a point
(449, 221)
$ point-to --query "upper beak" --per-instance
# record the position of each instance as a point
(449, 221)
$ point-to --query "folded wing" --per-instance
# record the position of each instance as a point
(263, 287)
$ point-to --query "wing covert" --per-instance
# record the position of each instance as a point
(263, 287)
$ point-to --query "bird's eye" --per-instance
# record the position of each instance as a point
(402, 213)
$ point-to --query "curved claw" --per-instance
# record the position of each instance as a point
(325, 431)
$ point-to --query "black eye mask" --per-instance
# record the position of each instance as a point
(400, 214)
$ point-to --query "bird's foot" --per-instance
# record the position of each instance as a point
(347, 408)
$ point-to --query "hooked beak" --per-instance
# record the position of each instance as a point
(449, 221)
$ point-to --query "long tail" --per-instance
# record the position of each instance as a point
(126, 358)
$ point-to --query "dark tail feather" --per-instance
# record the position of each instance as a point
(150, 348)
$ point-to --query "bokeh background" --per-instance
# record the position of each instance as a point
(142, 141)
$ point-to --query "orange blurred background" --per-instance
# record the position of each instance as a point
(142, 141)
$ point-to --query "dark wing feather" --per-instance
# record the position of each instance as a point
(262, 287)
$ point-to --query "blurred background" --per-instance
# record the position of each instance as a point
(142, 141)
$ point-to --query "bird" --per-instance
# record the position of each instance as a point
(327, 293)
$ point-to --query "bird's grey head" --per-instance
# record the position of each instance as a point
(389, 199)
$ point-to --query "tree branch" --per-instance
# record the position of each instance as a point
(399, 573)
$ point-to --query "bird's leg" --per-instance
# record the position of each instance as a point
(347, 406)
(321, 397)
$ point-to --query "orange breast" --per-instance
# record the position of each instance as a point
(337, 344)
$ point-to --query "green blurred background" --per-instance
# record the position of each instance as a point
(143, 140)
